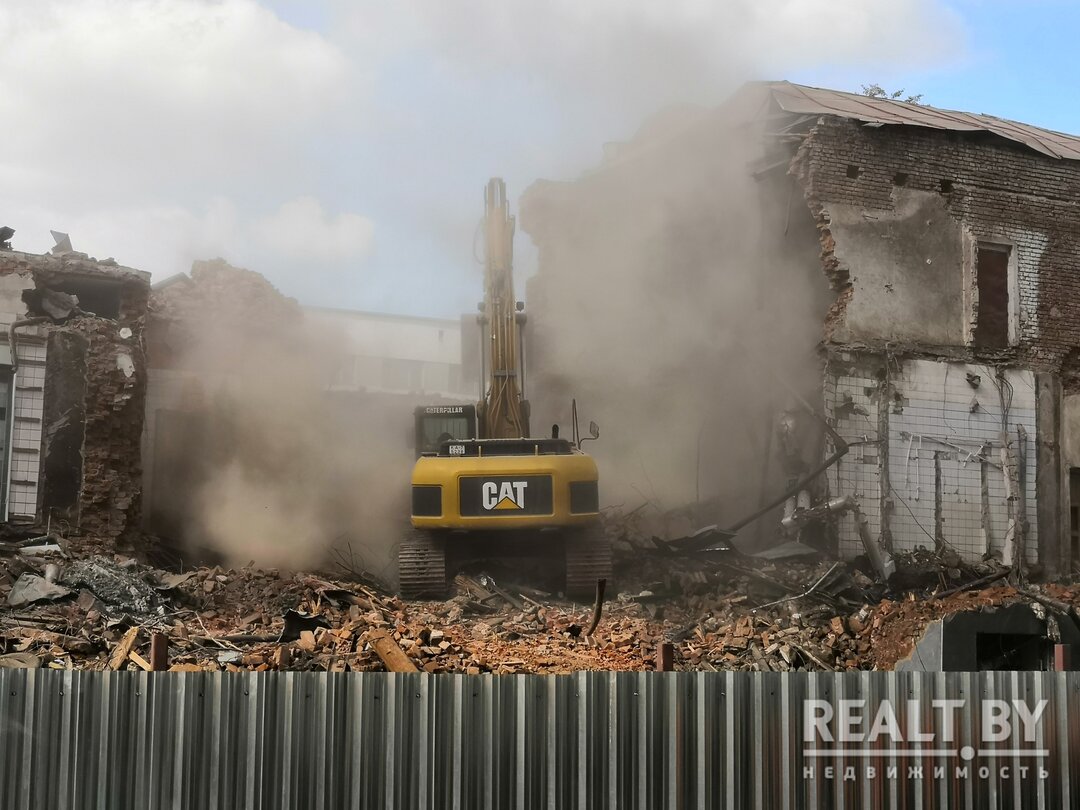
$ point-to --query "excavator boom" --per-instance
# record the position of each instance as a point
(501, 414)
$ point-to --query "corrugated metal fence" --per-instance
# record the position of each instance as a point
(591, 740)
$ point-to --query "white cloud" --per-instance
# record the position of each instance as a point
(165, 238)
(116, 97)
(301, 228)
(633, 53)
(158, 131)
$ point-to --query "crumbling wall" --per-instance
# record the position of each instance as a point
(898, 211)
(670, 240)
(89, 373)
(904, 269)
(64, 418)
(677, 287)
(109, 503)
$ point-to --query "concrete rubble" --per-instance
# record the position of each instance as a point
(718, 609)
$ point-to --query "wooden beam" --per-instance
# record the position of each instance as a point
(390, 653)
(123, 648)
(159, 652)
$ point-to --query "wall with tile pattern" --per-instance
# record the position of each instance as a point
(943, 433)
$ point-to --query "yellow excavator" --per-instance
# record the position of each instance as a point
(481, 487)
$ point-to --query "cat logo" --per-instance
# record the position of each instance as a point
(505, 495)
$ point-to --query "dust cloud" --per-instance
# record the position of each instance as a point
(678, 283)
(261, 457)
(672, 283)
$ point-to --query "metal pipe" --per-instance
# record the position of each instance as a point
(838, 442)
(805, 593)
(598, 607)
(522, 365)
(483, 359)
(841, 451)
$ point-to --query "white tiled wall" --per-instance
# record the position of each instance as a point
(26, 437)
(939, 412)
(857, 472)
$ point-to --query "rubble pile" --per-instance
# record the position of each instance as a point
(720, 609)
(227, 292)
(247, 618)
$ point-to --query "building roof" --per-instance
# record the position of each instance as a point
(799, 99)
(365, 315)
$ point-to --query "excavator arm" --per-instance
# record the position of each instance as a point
(502, 414)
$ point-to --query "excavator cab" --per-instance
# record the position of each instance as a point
(437, 424)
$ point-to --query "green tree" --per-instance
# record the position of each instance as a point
(877, 91)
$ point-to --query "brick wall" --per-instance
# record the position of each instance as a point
(927, 459)
(999, 191)
(109, 502)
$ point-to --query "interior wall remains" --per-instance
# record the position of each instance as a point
(907, 218)
(927, 458)
(78, 405)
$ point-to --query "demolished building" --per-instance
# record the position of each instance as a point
(72, 386)
(944, 374)
(270, 426)
(929, 256)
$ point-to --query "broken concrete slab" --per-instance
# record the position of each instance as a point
(786, 551)
(31, 588)
(230, 657)
(112, 583)
(1005, 638)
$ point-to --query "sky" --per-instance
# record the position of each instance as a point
(341, 147)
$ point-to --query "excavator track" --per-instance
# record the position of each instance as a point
(422, 566)
(588, 558)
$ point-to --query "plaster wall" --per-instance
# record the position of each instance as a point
(906, 267)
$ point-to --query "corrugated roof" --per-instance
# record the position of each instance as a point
(799, 99)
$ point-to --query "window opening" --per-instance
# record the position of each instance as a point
(992, 286)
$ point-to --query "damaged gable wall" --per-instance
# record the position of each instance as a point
(900, 234)
(959, 441)
(675, 276)
(677, 300)
(75, 456)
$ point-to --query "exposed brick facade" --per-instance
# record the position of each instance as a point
(973, 187)
(956, 408)
(999, 191)
(88, 373)
(109, 504)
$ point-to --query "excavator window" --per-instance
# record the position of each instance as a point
(438, 424)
